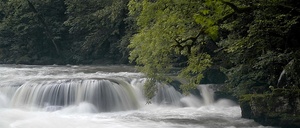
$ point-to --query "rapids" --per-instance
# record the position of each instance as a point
(104, 97)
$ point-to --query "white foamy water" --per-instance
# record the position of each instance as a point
(104, 97)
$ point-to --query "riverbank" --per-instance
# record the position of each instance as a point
(280, 108)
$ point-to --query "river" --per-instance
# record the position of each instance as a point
(104, 97)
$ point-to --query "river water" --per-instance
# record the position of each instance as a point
(104, 97)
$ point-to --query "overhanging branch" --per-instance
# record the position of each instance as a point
(238, 9)
(179, 44)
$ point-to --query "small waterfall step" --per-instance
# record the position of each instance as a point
(105, 95)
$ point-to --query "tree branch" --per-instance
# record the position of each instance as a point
(193, 39)
(238, 9)
(225, 17)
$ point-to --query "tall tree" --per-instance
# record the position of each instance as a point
(260, 42)
(31, 29)
(96, 28)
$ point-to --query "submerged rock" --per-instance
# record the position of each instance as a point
(279, 108)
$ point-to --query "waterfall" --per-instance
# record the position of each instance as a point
(105, 95)
(279, 81)
(167, 95)
(34, 96)
(54, 88)
(207, 94)
(3, 101)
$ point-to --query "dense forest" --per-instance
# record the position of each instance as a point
(64, 31)
(248, 44)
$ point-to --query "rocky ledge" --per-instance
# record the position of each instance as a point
(280, 108)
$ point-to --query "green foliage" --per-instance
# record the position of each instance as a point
(193, 72)
(170, 29)
(150, 89)
(259, 44)
(253, 41)
(256, 40)
(65, 31)
(97, 26)
(29, 29)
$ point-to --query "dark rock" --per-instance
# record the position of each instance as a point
(213, 76)
(225, 95)
(279, 108)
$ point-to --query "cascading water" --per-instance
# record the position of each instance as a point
(103, 96)
(279, 81)
(207, 94)
(167, 95)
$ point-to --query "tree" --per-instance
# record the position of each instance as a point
(96, 28)
(260, 41)
(64, 31)
(170, 30)
(256, 40)
(31, 29)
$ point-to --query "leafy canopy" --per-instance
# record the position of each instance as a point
(257, 40)
(170, 30)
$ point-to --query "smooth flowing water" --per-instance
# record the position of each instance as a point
(104, 97)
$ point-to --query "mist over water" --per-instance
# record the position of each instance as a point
(104, 96)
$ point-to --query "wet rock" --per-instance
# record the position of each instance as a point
(279, 108)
